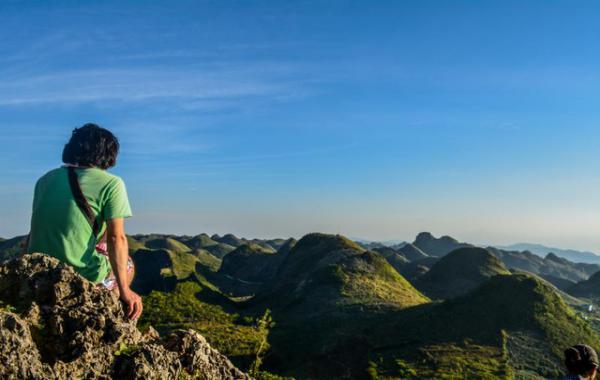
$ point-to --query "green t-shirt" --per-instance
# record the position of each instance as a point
(60, 229)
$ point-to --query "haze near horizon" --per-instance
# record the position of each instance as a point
(264, 119)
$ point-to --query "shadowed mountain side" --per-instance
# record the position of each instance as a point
(459, 272)
(438, 247)
(412, 252)
(588, 269)
(150, 271)
(415, 269)
(250, 262)
(587, 289)
(560, 283)
(247, 268)
(396, 259)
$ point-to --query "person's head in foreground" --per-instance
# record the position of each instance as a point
(79, 211)
(582, 362)
(91, 146)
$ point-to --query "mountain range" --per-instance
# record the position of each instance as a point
(327, 307)
(569, 254)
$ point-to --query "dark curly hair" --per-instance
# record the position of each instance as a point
(91, 145)
(581, 359)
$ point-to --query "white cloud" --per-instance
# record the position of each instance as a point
(98, 85)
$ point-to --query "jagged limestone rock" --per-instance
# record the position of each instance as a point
(54, 324)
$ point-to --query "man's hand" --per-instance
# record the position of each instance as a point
(133, 302)
(118, 254)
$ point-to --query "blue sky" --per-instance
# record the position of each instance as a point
(267, 118)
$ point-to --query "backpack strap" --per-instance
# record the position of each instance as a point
(83, 204)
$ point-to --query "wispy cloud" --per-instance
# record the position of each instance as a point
(133, 85)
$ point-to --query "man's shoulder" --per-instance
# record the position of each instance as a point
(109, 177)
(50, 174)
(100, 178)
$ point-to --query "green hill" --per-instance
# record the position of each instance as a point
(459, 272)
(198, 241)
(324, 292)
(203, 241)
(167, 243)
(511, 325)
(250, 262)
(229, 239)
(324, 272)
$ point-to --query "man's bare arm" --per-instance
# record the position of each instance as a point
(118, 253)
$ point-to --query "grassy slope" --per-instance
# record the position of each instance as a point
(383, 284)
(324, 272)
(469, 336)
(168, 243)
(207, 260)
(345, 310)
(231, 334)
(326, 297)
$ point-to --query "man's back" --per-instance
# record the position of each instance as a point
(59, 228)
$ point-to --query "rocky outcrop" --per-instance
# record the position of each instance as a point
(56, 325)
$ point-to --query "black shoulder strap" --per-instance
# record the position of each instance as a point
(83, 204)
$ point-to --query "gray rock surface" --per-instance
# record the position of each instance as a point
(54, 324)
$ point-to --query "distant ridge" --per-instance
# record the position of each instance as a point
(551, 265)
(542, 250)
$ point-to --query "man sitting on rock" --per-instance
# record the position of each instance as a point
(78, 214)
